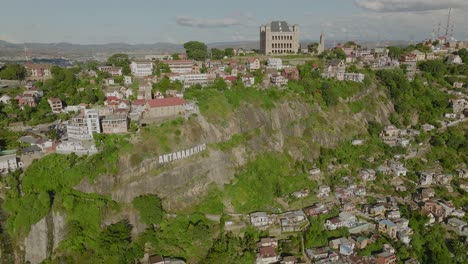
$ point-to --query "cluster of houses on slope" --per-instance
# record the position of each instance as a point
(336, 69)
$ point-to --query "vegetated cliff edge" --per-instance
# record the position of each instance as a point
(293, 126)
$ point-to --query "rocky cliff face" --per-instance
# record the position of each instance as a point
(44, 237)
(293, 126)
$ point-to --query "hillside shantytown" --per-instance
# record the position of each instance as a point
(288, 153)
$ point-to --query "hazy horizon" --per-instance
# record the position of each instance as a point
(144, 22)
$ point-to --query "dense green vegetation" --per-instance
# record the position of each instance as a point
(413, 99)
(149, 208)
(196, 50)
(263, 180)
(48, 183)
(13, 72)
(120, 60)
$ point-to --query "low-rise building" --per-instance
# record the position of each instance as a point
(344, 219)
(426, 178)
(318, 253)
(55, 104)
(253, 64)
(275, 63)
(78, 148)
(278, 80)
(355, 77)
(388, 227)
(5, 99)
(386, 258)
(260, 219)
(290, 73)
(112, 70)
(248, 80)
(141, 68)
(323, 191)
(9, 163)
(267, 255)
(38, 70)
(115, 124)
(293, 221)
(84, 126)
(183, 66)
(367, 174)
(165, 107)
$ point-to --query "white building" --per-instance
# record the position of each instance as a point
(426, 178)
(260, 219)
(75, 147)
(275, 63)
(182, 66)
(141, 68)
(5, 99)
(355, 77)
(84, 126)
(279, 37)
(9, 163)
(278, 80)
(128, 80)
(253, 64)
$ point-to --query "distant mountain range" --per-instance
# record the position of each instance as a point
(12, 51)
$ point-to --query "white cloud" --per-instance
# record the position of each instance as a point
(188, 21)
(409, 5)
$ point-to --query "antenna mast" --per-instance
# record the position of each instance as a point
(448, 23)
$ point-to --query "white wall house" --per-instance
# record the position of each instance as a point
(141, 68)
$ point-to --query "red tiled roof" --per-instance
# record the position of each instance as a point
(112, 100)
(164, 102)
(55, 100)
(139, 102)
(267, 252)
(251, 60)
(230, 78)
(37, 66)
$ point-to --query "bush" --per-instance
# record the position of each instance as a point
(149, 208)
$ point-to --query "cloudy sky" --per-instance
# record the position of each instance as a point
(177, 21)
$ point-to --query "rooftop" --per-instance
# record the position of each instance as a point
(164, 102)
(279, 26)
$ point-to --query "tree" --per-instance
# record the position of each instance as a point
(120, 60)
(217, 54)
(313, 47)
(437, 68)
(115, 239)
(13, 72)
(196, 50)
(340, 54)
(149, 208)
(350, 44)
(395, 52)
(175, 56)
(229, 52)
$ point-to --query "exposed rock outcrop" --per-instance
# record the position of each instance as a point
(44, 237)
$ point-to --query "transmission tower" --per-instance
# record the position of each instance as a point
(448, 23)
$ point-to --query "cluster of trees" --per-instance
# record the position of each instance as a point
(396, 51)
(149, 208)
(120, 60)
(13, 72)
(196, 50)
(199, 51)
(413, 100)
(449, 148)
(218, 54)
